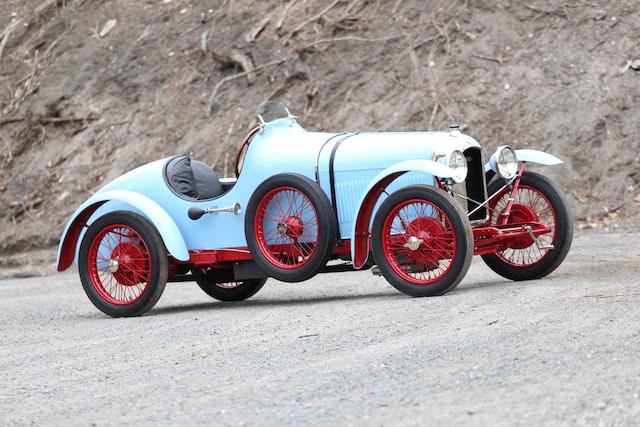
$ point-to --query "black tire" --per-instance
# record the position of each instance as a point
(564, 231)
(461, 260)
(158, 270)
(326, 227)
(245, 289)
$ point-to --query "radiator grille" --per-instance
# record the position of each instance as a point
(475, 185)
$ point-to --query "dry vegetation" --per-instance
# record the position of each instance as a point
(92, 88)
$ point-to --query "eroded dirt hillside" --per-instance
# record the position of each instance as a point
(90, 89)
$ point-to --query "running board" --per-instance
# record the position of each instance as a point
(185, 278)
(338, 268)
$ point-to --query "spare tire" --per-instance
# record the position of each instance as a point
(290, 227)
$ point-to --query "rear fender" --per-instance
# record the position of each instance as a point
(360, 232)
(165, 225)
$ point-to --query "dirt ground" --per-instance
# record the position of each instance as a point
(338, 350)
(92, 88)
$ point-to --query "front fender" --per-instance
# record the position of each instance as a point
(531, 156)
(165, 225)
(536, 156)
(364, 208)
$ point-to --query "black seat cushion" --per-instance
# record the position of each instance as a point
(180, 176)
(192, 178)
(207, 181)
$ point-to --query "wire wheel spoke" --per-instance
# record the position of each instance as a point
(287, 229)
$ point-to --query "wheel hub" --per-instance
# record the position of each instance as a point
(422, 242)
(413, 243)
(113, 265)
(292, 227)
(419, 242)
(127, 262)
(520, 214)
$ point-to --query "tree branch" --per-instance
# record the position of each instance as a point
(4, 36)
(314, 18)
(347, 39)
(488, 58)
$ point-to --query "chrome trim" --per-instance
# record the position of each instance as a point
(413, 243)
(495, 157)
(236, 209)
(535, 239)
(512, 229)
(487, 201)
(242, 251)
(289, 115)
(113, 265)
(261, 124)
(466, 166)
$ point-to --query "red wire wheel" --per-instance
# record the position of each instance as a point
(286, 227)
(290, 227)
(123, 264)
(119, 264)
(530, 205)
(418, 241)
(537, 200)
(422, 241)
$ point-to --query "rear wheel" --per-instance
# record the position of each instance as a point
(290, 227)
(422, 241)
(537, 200)
(123, 264)
(231, 291)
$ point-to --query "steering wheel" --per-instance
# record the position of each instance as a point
(242, 151)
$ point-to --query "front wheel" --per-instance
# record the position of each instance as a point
(537, 200)
(422, 241)
(231, 291)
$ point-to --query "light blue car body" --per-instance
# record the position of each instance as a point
(281, 146)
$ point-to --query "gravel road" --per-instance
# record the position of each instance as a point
(340, 349)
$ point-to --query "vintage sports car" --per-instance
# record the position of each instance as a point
(416, 205)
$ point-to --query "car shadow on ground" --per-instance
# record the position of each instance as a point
(390, 294)
(273, 302)
(474, 286)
